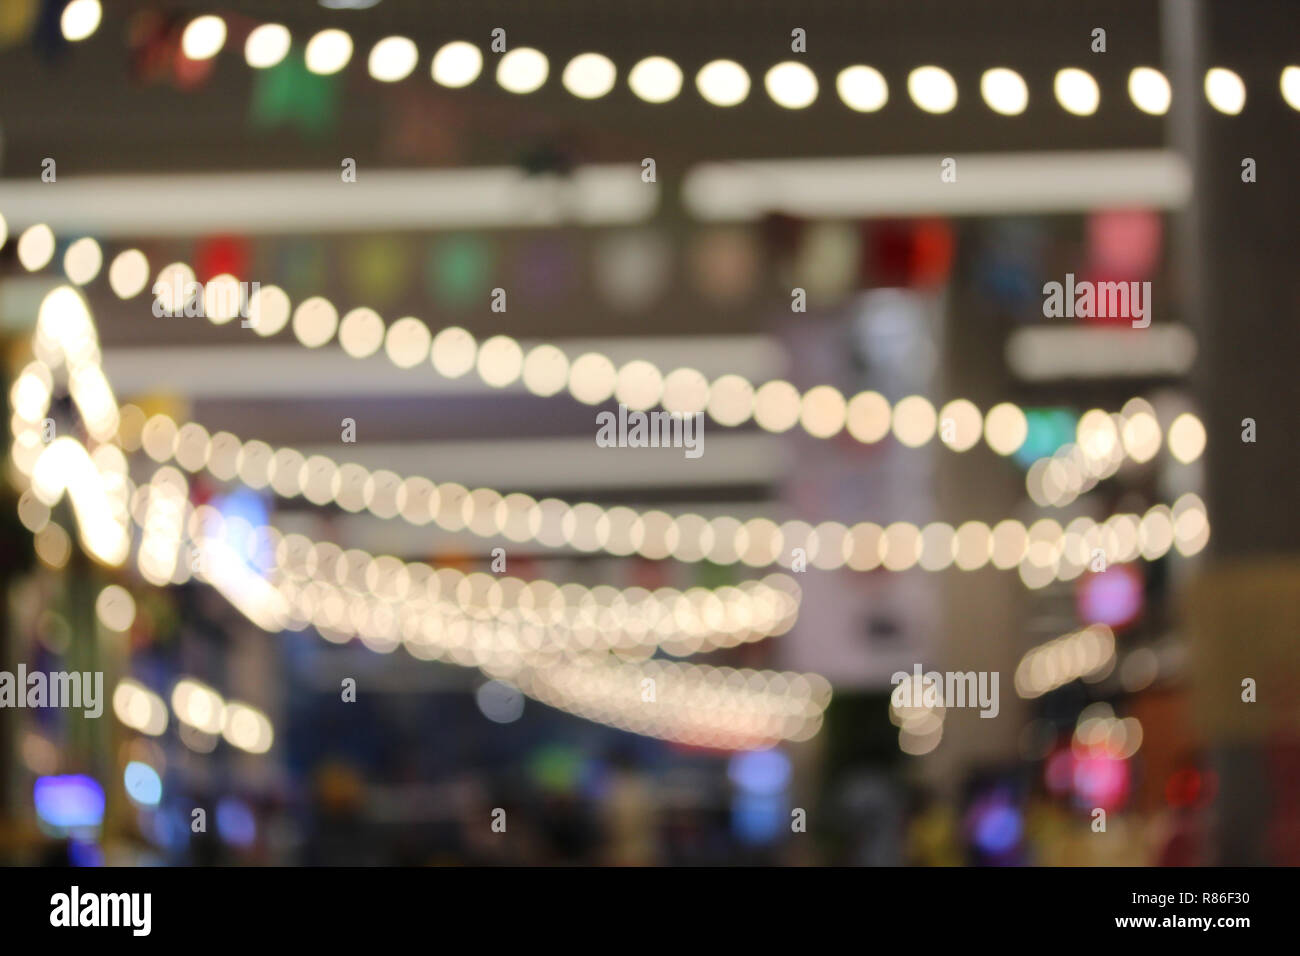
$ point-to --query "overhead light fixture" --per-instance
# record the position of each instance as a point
(1290, 83)
(1149, 90)
(80, 19)
(1076, 91)
(589, 76)
(932, 88)
(456, 64)
(392, 59)
(722, 82)
(267, 45)
(328, 52)
(1004, 91)
(862, 88)
(656, 79)
(203, 38)
(522, 70)
(791, 85)
(1225, 91)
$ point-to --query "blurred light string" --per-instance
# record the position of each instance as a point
(586, 660)
(723, 83)
(760, 542)
(160, 508)
(323, 585)
(65, 336)
(553, 652)
(1103, 442)
(1044, 550)
(94, 480)
(592, 378)
(1087, 654)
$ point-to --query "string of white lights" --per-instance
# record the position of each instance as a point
(93, 479)
(197, 707)
(546, 370)
(724, 540)
(384, 623)
(1043, 552)
(1088, 653)
(601, 616)
(685, 702)
(690, 703)
(65, 333)
(655, 697)
(592, 377)
(331, 586)
(790, 84)
(1103, 442)
(514, 640)
(103, 495)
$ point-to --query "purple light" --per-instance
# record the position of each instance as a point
(85, 854)
(1112, 597)
(760, 772)
(72, 802)
(235, 822)
(997, 828)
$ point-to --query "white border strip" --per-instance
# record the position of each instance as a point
(986, 183)
(319, 201)
(1047, 353)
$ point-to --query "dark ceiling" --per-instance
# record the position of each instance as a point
(85, 106)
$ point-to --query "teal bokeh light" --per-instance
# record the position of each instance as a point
(1049, 429)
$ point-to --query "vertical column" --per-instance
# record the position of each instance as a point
(1237, 263)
